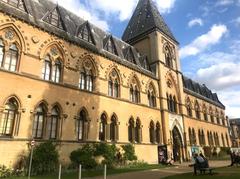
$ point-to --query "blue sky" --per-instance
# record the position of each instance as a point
(207, 30)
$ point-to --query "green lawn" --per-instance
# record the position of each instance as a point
(220, 173)
(93, 173)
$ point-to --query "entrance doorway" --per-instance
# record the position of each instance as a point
(177, 144)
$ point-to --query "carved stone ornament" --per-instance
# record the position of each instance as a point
(35, 39)
(9, 34)
(54, 51)
(169, 84)
(87, 64)
(73, 54)
(114, 74)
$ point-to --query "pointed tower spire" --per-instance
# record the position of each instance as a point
(145, 19)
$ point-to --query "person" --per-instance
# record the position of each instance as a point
(205, 163)
(195, 163)
(233, 158)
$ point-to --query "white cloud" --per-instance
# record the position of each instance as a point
(196, 21)
(165, 6)
(204, 41)
(224, 2)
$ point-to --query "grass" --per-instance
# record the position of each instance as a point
(93, 173)
(227, 172)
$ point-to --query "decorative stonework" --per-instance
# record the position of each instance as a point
(35, 39)
(9, 34)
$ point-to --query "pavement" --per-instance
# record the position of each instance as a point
(163, 172)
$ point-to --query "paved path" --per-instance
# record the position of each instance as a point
(161, 173)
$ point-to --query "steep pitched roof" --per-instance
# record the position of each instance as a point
(145, 19)
(201, 91)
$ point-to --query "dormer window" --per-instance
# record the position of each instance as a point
(110, 46)
(84, 33)
(54, 18)
(17, 3)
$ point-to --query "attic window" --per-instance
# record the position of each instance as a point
(110, 46)
(54, 18)
(130, 57)
(86, 34)
(17, 3)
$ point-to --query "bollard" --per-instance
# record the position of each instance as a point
(60, 171)
(30, 165)
(105, 171)
(80, 172)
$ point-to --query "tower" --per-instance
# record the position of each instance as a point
(148, 32)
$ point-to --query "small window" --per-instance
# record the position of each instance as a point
(54, 18)
(103, 128)
(53, 123)
(82, 126)
(39, 120)
(113, 85)
(8, 118)
(11, 58)
(85, 34)
(46, 70)
(158, 133)
(56, 71)
(110, 46)
(113, 129)
(151, 132)
(131, 128)
(138, 131)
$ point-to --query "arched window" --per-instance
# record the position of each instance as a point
(82, 125)
(56, 71)
(190, 136)
(194, 137)
(1, 52)
(172, 103)
(217, 117)
(134, 91)
(197, 110)
(8, 118)
(53, 66)
(39, 121)
(46, 71)
(168, 57)
(9, 61)
(131, 128)
(138, 131)
(189, 108)
(205, 115)
(53, 123)
(199, 137)
(103, 127)
(211, 139)
(152, 132)
(175, 108)
(203, 138)
(223, 140)
(113, 129)
(151, 97)
(158, 140)
(86, 80)
(113, 84)
(211, 115)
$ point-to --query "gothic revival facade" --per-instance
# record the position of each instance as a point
(64, 79)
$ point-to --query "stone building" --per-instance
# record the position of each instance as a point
(64, 79)
(235, 132)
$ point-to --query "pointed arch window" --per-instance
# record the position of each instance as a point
(197, 110)
(223, 140)
(152, 97)
(130, 56)
(8, 118)
(86, 80)
(134, 92)
(113, 85)
(190, 136)
(9, 60)
(53, 123)
(103, 127)
(168, 57)
(1, 52)
(205, 115)
(211, 115)
(39, 121)
(152, 132)
(217, 117)
(189, 108)
(138, 131)
(131, 136)
(158, 139)
(194, 141)
(52, 70)
(172, 103)
(113, 129)
(82, 125)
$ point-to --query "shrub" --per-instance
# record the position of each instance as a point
(108, 152)
(224, 151)
(84, 156)
(129, 152)
(5, 172)
(45, 158)
(207, 151)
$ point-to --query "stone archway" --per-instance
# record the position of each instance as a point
(177, 145)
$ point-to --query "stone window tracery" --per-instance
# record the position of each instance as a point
(103, 128)
(53, 66)
(151, 96)
(168, 57)
(82, 125)
(114, 84)
(85, 34)
(53, 123)
(134, 91)
(39, 121)
(197, 110)
(113, 129)
(86, 79)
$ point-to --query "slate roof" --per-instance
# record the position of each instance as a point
(145, 19)
(235, 121)
(201, 91)
(36, 14)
